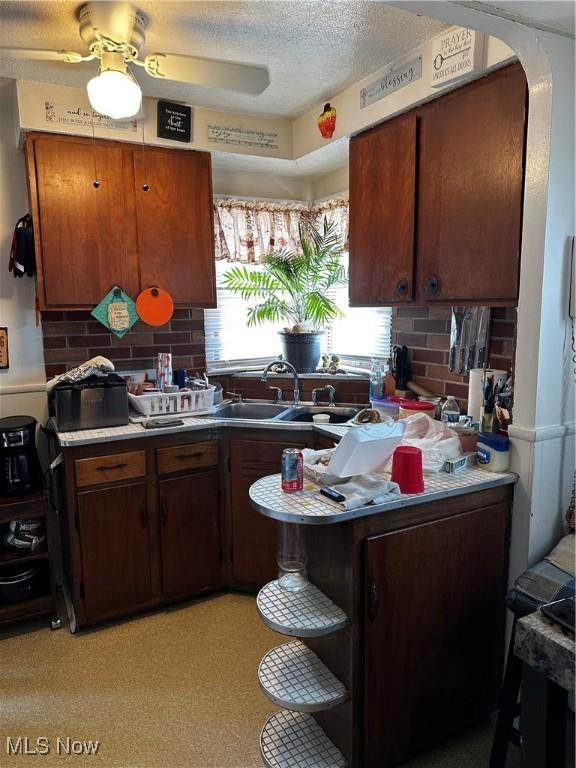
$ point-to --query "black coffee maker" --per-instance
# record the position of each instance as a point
(20, 471)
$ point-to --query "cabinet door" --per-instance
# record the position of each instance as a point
(175, 224)
(254, 538)
(434, 631)
(113, 527)
(382, 205)
(86, 234)
(470, 191)
(190, 534)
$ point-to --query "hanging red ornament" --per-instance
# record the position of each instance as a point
(327, 122)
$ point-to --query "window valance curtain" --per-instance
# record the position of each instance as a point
(248, 231)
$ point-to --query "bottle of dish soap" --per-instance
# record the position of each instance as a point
(450, 413)
(376, 380)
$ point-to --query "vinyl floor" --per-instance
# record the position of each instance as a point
(173, 689)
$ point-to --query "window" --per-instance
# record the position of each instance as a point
(361, 334)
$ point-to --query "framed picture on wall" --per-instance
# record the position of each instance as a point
(4, 363)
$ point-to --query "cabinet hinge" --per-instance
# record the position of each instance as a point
(82, 590)
(76, 522)
(229, 463)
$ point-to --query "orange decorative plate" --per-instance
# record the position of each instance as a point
(154, 306)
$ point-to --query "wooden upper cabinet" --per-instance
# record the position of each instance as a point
(86, 235)
(382, 206)
(436, 199)
(175, 223)
(89, 238)
(470, 191)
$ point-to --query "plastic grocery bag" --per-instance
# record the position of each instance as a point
(436, 441)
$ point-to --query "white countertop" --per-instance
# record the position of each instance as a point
(310, 507)
(191, 424)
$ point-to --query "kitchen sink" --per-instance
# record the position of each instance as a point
(249, 411)
(304, 413)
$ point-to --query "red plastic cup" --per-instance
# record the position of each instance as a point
(407, 469)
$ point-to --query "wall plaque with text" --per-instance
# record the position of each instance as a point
(174, 121)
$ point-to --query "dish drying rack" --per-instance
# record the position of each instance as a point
(169, 403)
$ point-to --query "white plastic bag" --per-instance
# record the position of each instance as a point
(436, 441)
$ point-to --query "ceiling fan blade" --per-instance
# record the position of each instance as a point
(212, 73)
(38, 54)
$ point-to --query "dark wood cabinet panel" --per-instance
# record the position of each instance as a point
(434, 630)
(382, 210)
(470, 191)
(436, 199)
(254, 537)
(175, 225)
(113, 525)
(190, 534)
(86, 234)
(89, 238)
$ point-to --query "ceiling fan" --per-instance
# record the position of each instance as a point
(114, 34)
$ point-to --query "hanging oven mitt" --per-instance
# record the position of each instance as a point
(22, 259)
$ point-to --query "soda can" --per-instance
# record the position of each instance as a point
(292, 470)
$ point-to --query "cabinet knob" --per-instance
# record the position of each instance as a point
(432, 284)
(146, 187)
(402, 287)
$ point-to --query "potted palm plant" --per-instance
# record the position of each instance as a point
(293, 288)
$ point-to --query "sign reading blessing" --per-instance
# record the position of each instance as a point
(392, 81)
(174, 121)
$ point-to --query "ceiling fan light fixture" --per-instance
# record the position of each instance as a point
(114, 91)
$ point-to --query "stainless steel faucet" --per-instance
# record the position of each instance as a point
(331, 394)
(294, 374)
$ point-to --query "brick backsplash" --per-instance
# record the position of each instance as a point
(70, 338)
(426, 333)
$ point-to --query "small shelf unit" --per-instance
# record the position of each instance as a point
(30, 506)
(307, 613)
(295, 740)
(292, 676)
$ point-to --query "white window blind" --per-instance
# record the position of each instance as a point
(361, 334)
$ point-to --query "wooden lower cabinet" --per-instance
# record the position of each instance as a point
(190, 534)
(113, 526)
(434, 631)
(254, 537)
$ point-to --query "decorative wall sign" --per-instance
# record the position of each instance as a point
(454, 54)
(75, 114)
(4, 360)
(118, 319)
(243, 137)
(174, 121)
(392, 81)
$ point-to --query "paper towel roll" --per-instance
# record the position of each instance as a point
(475, 393)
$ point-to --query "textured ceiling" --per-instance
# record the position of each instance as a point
(313, 49)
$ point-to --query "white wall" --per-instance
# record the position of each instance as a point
(262, 185)
(22, 385)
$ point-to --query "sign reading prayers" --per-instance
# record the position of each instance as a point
(174, 121)
(454, 54)
(392, 81)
